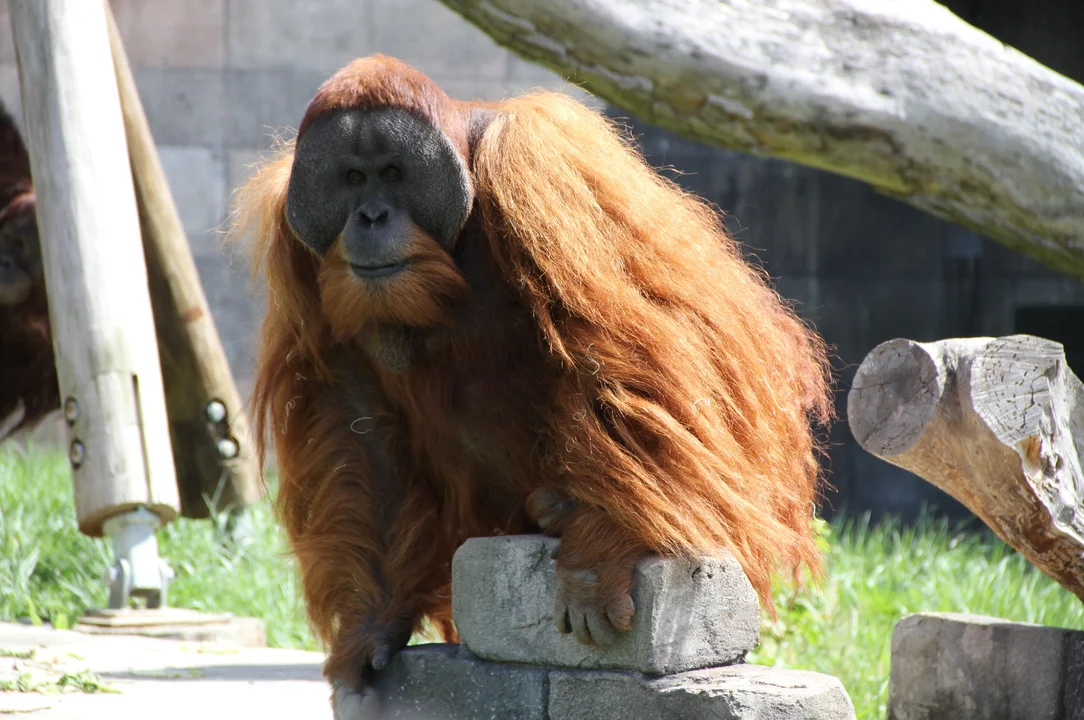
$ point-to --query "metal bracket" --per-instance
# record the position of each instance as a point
(138, 570)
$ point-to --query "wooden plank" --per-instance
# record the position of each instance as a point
(99, 306)
(998, 423)
(195, 368)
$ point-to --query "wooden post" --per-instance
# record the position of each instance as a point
(99, 306)
(213, 454)
(998, 423)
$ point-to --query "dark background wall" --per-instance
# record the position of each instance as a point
(864, 268)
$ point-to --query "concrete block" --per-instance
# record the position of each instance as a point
(1037, 292)
(10, 92)
(240, 164)
(477, 89)
(441, 682)
(689, 615)
(437, 41)
(263, 104)
(495, 90)
(318, 36)
(1073, 703)
(7, 39)
(183, 106)
(197, 181)
(530, 73)
(518, 87)
(732, 693)
(172, 33)
(524, 75)
(235, 306)
(951, 666)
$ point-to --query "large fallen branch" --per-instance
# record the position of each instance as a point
(903, 95)
(996, 423)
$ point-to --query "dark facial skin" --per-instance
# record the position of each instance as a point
(20, 256)
(382, 177)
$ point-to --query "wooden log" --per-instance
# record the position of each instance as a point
(213, 454)
(903, 95)
(99, 307)
(998, 423)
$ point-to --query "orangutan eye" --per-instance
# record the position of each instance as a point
(392, 173)
(355, 177)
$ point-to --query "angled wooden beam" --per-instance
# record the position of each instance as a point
(213, 454)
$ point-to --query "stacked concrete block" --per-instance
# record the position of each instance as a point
(949, 666)
(683, 658)
(689, 615)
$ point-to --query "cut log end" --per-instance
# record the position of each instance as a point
(895, 393)
(995, 423)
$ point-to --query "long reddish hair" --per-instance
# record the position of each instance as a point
(707, 381)
(687, 391)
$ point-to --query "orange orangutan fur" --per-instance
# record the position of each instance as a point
(655, 377)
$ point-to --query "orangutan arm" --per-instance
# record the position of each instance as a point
(364, 532)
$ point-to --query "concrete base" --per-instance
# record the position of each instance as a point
(949, 666)
(427, 682)
(176, 624)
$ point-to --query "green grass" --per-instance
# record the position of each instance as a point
(843, 627)
(48, 570)
(876, 575)
(82, 681)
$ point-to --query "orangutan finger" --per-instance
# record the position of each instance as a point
(621, 611)
(600, 628)
(579, 627)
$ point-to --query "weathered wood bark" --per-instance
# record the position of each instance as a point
(903, 95)
(213, 455)
(99, 307)
(998, 423)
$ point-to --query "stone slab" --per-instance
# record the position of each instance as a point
(236, 306)
(321, 36)
(437, 41)
(10, 90)
(261, 105)
(426, 682)
(431, 682)
(184, 106)
(971, 667)
(172, 33)
(7, 39)
(731, 693)
(176, 624)
(161, 679)
(690, 615)
(197, 181)
(1073, 700)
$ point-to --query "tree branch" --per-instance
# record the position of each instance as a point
(998, 423)
(902, 95)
